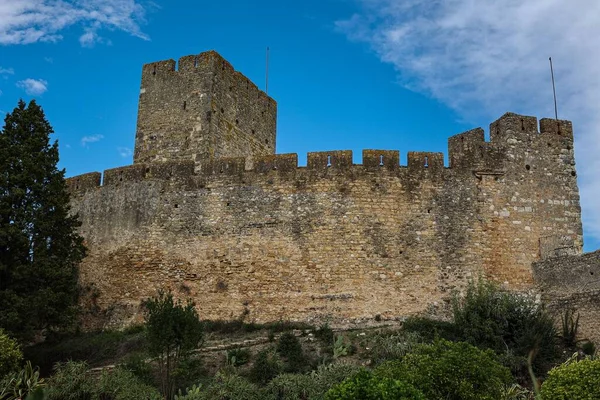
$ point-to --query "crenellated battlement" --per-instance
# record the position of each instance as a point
(467, 152)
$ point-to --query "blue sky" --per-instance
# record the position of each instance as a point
(347, 74)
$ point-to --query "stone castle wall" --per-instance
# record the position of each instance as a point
(572, 282)
(332, 240)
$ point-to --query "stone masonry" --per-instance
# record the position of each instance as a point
(208, 211)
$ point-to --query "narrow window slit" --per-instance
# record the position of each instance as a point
(426, 162)
(329, 161)
(381, 160)
(154, 70)
(184, 105)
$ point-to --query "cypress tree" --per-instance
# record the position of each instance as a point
(40, 248)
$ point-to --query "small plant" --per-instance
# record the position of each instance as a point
(266, 367)
(290, 349)
(10, 355)
(325, 335)
(570, 326)
(190, 393)
(25, 384)
(237, 357)
(340, 347)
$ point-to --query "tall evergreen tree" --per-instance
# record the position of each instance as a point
(40, 248)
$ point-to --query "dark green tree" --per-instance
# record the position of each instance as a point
(40, 248)
(173, 331)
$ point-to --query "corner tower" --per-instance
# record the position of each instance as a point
(201, 111)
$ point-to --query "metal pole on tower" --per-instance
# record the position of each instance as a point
(554, 90)
(267, 76)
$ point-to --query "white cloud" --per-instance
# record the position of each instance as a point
(91, 139)
(124, 152)
(485, 57)
(33, 87)
(6, 71)
(49, 60)
(30, 21)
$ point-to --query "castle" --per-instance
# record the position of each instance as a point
(209, 211)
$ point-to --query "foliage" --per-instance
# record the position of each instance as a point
(290, 349)
(570, 326)
(238, 357)
(325, 335)
(10, 355)
(266, 367)
(430, 329)
(226, 387)
(327, 376)
(240, 326)
(574, 380)
(392, 347)
(292, 387)
(25, 384)
(340, 347)
(505, 322)
(516, 392)
(173, 331)
(39, 246)
(95, 348)
(448, 370)
(120, 384)
(138, 365)
(72, 381)
(366, 386)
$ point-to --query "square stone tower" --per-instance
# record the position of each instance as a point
(202, 111)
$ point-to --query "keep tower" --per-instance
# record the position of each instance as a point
(202, 110)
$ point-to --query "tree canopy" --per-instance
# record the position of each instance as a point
(40, 248)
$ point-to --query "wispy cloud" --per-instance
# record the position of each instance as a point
(86, 140)
(124, 152)
(33, 87)
(485, 57)
(30, 21)
(6, 71)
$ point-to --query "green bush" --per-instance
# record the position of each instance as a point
(327, 376)
(226, 387)
(292, 387)
(325, 335)
(506, 322)
(430, 329)
(238, 357)
(447, 370)
(120, 384)
(72, 381)
(25, 384)
(366, 386)
(290, 349)
(573, 381)
(392, 347)
(265, 367)
(10, 355)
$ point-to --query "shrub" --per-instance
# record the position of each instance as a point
(25, 384)
(327, 376)
(10, 355)
(72, 381)
(392, 347)
(265, 367)
(490, 318)
(325, 335)
(138, 365)
(449, 370)
(365, 386)
(238, 357)
(173, 331)
(120, 384)
(292, 387)
(226, 387)
(430, 329)
(290, 349)
(573, 381)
